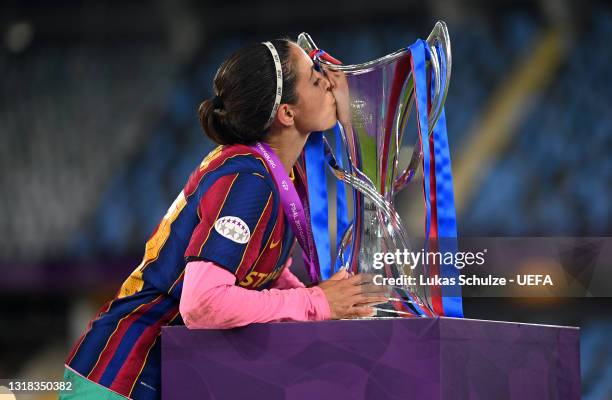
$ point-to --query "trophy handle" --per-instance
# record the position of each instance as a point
(366, 187)
(439, 44)
(306, 43)
(440, 47)
(347, 238)
(406, 176)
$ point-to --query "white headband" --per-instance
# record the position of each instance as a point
(279, 82)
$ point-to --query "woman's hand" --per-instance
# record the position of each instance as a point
(340, 90)
(352, 296)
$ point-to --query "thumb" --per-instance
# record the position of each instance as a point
(341, 274)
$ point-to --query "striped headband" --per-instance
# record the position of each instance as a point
(279, 82)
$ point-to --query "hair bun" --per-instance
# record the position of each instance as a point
(217, 102)
(216, 124)
(206, 113)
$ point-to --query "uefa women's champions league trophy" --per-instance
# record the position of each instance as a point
(382, 93)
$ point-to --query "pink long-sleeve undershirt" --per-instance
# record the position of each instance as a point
(211, 300)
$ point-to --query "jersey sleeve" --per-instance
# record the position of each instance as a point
(210, 300)
(234, 214)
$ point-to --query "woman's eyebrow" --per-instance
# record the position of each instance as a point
(311, 71)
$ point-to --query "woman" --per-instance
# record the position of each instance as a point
(220, 256)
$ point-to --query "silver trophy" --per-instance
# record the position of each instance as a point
(381, 100)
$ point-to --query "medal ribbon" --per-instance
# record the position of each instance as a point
(293, 207)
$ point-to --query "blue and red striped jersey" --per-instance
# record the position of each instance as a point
(229, 213)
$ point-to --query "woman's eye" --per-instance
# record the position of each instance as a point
(316, 83)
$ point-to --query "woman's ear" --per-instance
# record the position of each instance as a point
(285, 115)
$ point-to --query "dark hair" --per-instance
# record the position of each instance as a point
(244, 88)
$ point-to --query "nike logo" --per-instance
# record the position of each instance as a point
(274, 244)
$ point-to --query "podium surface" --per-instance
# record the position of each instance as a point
(439, 358)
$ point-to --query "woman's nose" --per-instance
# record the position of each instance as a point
(327, 83)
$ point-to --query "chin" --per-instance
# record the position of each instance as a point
(326, 124)
(330, 126)
(332, 122)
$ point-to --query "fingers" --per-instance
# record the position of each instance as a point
(334, 76)
(363, 284)
(366, 290)
(373, 289)
(359, 279)
(353, 295)
(371, 300)
(353, 290)
(361, 312)
(359, 297)
(340, 275)
(372, 303)
(361, 308)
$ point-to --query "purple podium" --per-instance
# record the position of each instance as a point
(441, 358)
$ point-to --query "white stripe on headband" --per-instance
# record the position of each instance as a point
(279, 82)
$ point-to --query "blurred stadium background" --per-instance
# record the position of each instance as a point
(98, 132)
